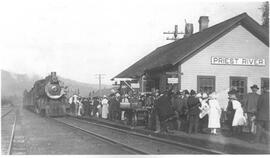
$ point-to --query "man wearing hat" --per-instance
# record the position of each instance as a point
(95, 104)
(250, 107)
(164, 111)
(185, 111)
(178, 103)
(262, 117)
(230, 111)
(114, 108)
(193, 104)
(155, 113)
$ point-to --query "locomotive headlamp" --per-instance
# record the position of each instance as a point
(53, 91)
(54, 88)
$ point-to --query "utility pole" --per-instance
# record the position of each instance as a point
(175, 33)
(99, 82)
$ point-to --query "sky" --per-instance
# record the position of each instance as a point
(81, 38)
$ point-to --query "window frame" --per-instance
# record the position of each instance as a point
(241, 78)
(205, 77)
(263, 79)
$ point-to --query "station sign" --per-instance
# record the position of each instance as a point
(172, 80)
(237, 61)
(172, 73)
(135, 85)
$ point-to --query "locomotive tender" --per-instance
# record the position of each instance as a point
(47, 97)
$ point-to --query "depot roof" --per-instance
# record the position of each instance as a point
(173, 53)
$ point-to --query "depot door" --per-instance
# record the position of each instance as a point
(240, 83)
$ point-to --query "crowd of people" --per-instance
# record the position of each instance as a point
(188, 111)
(201, 112)
(101, 107)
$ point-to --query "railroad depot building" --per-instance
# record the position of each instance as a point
(233, 53)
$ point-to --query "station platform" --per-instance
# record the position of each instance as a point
(219, 142)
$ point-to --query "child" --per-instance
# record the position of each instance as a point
(214, 113)
(239, 118)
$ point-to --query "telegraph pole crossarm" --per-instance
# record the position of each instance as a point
(175, 33)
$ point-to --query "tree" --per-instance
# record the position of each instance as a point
(265, 14)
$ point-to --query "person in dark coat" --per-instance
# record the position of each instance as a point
(230, 111)
(115, 108)
(164, 110)
(85, 106)
(185, 112)
(156, 121)
(95, 104)
(149, 101)
(193, 104)
(110, 106)
(72, 106)
(91, 107)
(178, 104)
(150, 104)
(262, 117)
(250, 107)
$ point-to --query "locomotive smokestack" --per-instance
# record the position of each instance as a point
(53, 73)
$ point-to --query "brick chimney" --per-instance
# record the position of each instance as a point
(203, 23)
(188, 30)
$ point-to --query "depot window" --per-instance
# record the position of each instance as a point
(239, 83)
(264, 83)
(206, 84)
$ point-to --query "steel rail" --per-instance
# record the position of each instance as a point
(183, 145)
(6, 113)
(12, 136)
(138, 151)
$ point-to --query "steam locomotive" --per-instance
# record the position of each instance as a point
(47, 97)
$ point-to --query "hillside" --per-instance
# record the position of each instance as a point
(15, 84)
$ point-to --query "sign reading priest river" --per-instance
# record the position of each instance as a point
(237, 61)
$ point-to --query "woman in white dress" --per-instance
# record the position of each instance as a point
(214, 113)
(105, 107)
(80, 108)
(239, 118)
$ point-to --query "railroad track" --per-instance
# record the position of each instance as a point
(103, 138)
(12, 137)
(8, 122)
(136, 142)
(6, 113)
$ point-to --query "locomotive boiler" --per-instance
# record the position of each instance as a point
(47, 97)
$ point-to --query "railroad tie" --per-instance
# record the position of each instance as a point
(18, 147)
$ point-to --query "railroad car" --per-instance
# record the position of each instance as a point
(47, 97)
